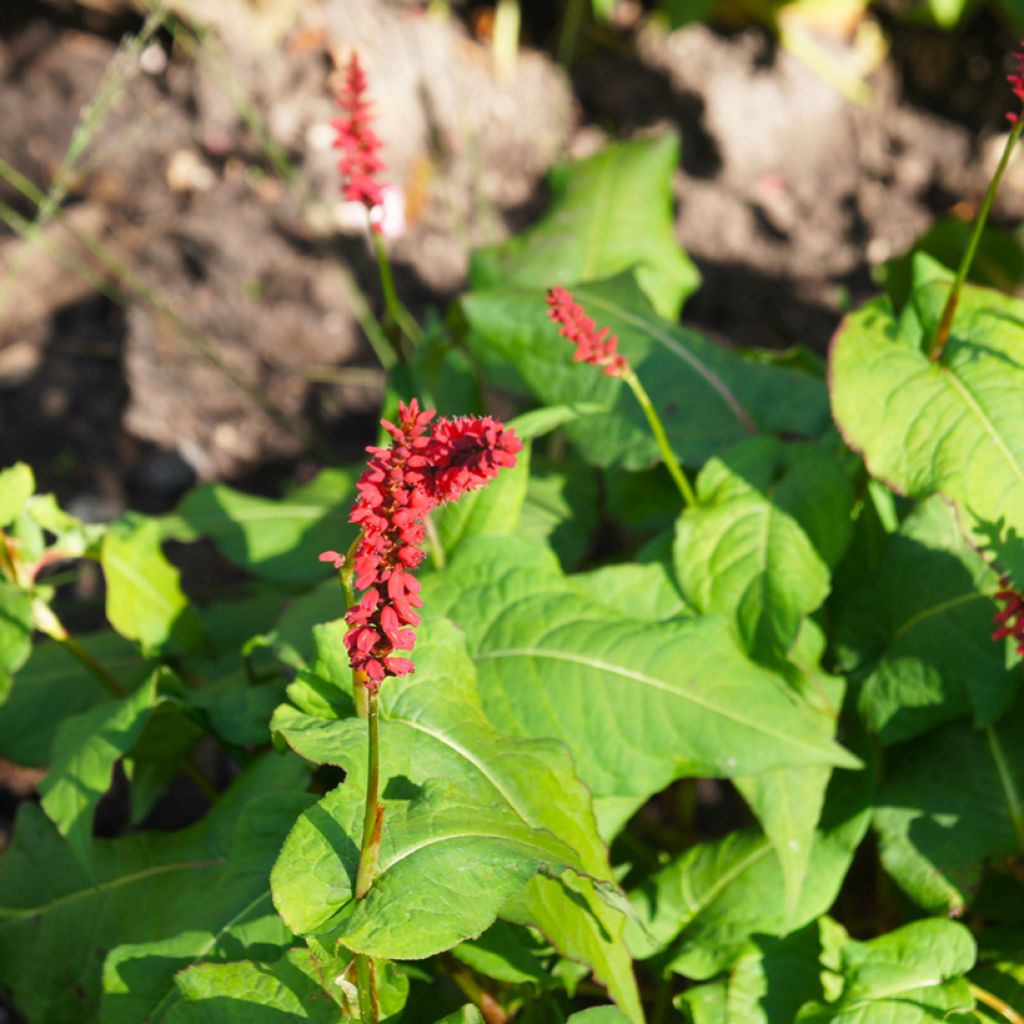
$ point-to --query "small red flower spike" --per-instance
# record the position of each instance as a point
(360, 147)
(1016, 80)
(1011, 618)
(599, 348)
(334, 557)
(399, 488)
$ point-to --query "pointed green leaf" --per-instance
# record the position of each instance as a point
(702, 908)
(17, 484)
(432, 726)
(708, 397)
(57, 923)
(772, 519)
(680, 698)
(144, 597)
(446, 866)
(84, 754)
(276, 539)
(951, 427)
(610, 212)
(918, 635)
(954, 800)
(15, 630)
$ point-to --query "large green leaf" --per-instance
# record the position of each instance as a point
(84, 754)
(300, 986)
(145, 601)
(446, 867)
(678, 698)
(17, 484)
(702, 908)
(53, 686)
(708, 397)
(773, 518)
(609, 213)
(561, 508)
(57, 922)
(954, 799)
(432, 726)
(918, 635)
(278, 540)
(910, 976)
(951, 427)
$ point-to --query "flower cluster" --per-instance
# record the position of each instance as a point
(401, 485)
(360, 147)
(599, 348)
(1011, 618)
(1016, 80)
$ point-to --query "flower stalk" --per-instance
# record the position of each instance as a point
(373, 815)
(939, 341)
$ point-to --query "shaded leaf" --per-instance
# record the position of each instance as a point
(918, 635)
(610, 212)
(276, 539)
(57, 922)
(952, 802)
(17, 484)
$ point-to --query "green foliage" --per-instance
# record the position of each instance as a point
(609, 213)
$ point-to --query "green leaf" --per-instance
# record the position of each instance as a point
(771, 521)
(54, 686)
(15, 630)
(680, 697)
(278, 540)
(413, 909)
(609, 213)
(561, 508)
(57, 922)
(704, 1004)
(910, 976)
(643, 591)
(918, 634)
(599, 1015)
(775, 976)
(952, 801)
(950, 427)
(300, 986)
(708, 397)
(507, 953)
(84, 754)
(144, 597)
(702, 908)
(432, 726)
(17, 484)
(467, 1014)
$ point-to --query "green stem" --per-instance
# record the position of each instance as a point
(658, 429)
(570, 31)
(994, 1002)
(45, 620)
(938, 345)
(369, 1011)
(397, 313)
(373, 815)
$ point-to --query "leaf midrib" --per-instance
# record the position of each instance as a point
(640, 677)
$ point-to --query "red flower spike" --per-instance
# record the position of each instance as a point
(1011, 617)
(599, 348)
(398, 489)
(360, 147)
(1016, 80)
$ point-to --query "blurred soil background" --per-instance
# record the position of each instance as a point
(183, 296)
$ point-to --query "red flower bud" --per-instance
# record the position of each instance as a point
(592, 346)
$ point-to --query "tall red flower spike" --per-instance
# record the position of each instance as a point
(1016, 80)
(399, 488)
(1011, 618)
(599, 348)
(360, 147)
